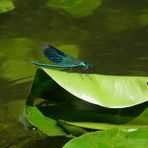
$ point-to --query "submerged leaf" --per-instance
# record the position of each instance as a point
(77, 8)
(19, 59)
(6, 5)
(143, 18)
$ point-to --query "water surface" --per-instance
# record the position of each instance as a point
(111, 35)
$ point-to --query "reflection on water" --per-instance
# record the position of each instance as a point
(113, 38)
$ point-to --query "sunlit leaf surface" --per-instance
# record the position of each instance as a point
(111, 138)
(46, 125)
(107, 91)
(73, 113)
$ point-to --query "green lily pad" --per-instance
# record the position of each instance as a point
(104, 126)
(75, 130)
(111, 138)
(6, 5)
(77, 8)
(140, 122)
(142, 119)
(72, 111)
(45, 124)
(104, 90)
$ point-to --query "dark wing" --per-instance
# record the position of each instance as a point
(53, 54)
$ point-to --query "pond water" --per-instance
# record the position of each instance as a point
(109, 34)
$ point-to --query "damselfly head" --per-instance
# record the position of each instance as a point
(85, 65)
(88, 66)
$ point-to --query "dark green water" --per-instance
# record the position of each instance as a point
(112, 36)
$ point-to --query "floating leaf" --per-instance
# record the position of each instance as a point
(103, 90)
(141, 120)
(70, 109)
(75, 130)
(46, 125)
(111, 138)
(103, 126)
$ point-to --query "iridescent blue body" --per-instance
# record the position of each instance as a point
(60, 59)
